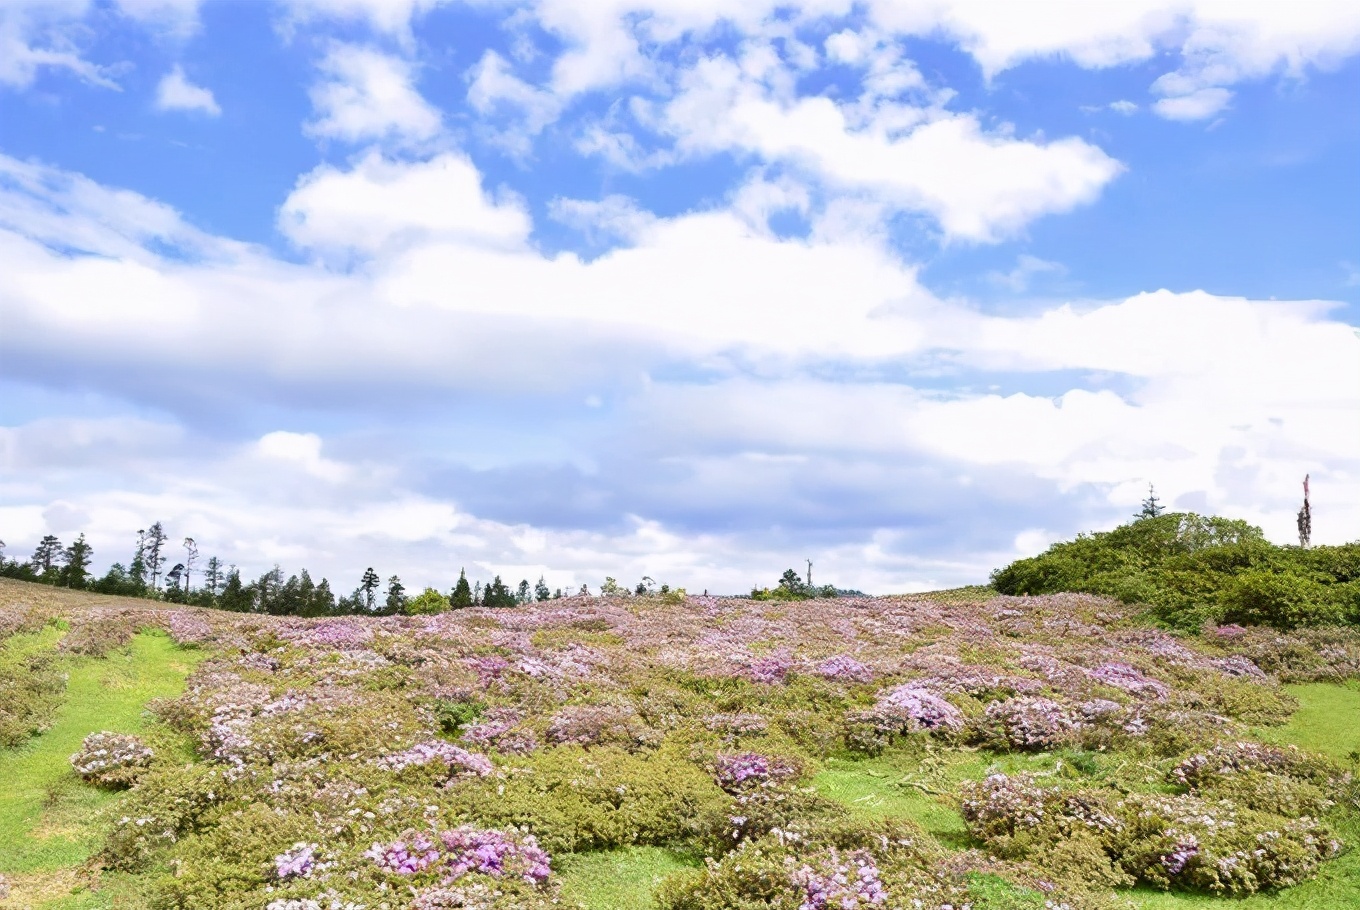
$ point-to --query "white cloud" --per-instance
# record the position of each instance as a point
(1219, 395)
(492, 84)
(302, 450)
(979, 186)
(35, 35)
(380, 203)
(1198, 105)
(176, 93)
(1027, 267)
(1123, 107)
(367, 95)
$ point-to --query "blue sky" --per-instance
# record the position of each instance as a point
(691, 290)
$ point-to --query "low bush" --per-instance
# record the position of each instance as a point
(31, 684)
(112, 760)
(574, 799)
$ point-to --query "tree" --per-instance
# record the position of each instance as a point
(323, 601)
(541, 592)
(77, 558)
(1152, 506)
(190, 557)
(396, 595)
(155, 558)
(212, 575)
(235, 596)
(47, 558)
(137, 570)
(428, 601)
(267, 592)
(522, 593)
(498, 594)
(612, 588)
(173, 578)
(369, 586)
(462, 592)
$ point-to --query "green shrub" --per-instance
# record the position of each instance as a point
(1192, 569)
(30, 691)
(575, 799)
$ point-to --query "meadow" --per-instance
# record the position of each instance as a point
(961, 749)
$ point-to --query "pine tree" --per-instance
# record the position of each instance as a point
(47, 558)
(396, 596)
(462, 592)
(235, 596)
(77, 557)
(541, 592)
(267, 590)
(1152, 506)
(155, 558)
(137, 570)
(212, 575)
(323, 601)
(190, 557)
(498, 594)
(523, 594)
(369, 586)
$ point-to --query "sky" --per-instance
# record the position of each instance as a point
(691, 289)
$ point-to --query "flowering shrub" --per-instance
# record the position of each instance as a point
(459, 761)
(411, 853)
(844, 668)
(904, 709)
(1130, 679)
(96, 636)
(587, 725)
(30, 690)
(114, 760)
(1001, 805)
(1027, 722)
(495, 853)
(739, 772)
(465, 850)
(297, 862)
(840, 883)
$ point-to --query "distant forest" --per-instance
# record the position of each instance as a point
(162, 570)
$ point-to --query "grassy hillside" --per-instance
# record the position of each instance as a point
(694, 755)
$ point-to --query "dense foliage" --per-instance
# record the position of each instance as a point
(1193, 569)
(462, 758)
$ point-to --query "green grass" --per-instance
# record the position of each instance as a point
(620, 879)
(1327, 721)
(47, 815)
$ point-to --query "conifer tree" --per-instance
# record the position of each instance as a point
(462, 592)
(396, 596)
(541, 592)
(1152, 506)
(212, 575)
(77, 558)
(369, 586)
(47, 558)
(155, 557)
(523, 594)
(234, 595)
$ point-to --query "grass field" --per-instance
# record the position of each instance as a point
(48, 818)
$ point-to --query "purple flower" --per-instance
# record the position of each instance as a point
(1130, 679)
(841, 884)
(494, 853)
(456, 759)
(844, 668)
(413, 853)
(296, 862)
(1176, 861)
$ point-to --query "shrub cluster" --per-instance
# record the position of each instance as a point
(1192, 569)
(112, 760)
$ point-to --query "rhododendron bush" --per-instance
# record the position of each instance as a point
(461, 759)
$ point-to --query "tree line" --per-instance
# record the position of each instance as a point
(162, 570)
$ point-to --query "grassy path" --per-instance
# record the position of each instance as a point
(46, 813)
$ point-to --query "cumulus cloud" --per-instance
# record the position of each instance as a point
(980, 186)
(380, 203)
(176, 93)
(747, 394)
(367, 95)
